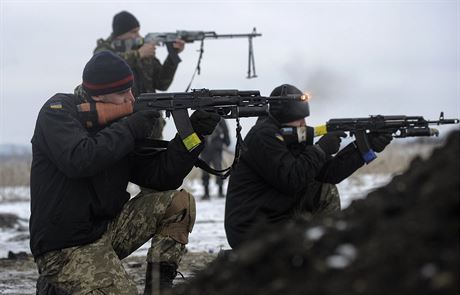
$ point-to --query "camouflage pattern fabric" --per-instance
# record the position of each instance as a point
(329, 200)
(326, 201)
(96, 268)
(149, 75)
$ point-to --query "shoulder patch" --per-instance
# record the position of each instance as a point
(56, 105)
(279, 136)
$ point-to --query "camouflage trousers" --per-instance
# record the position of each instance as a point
(96, 268)
(326, 201)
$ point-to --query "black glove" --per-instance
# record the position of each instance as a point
(141, 123)
(378, 141)
(330, 143)
(203, 122)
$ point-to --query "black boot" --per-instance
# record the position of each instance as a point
(159, 277)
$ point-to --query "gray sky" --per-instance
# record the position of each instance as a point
(356, 58)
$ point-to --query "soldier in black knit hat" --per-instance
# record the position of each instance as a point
(282, 174)
(149, 73)
(83, 221)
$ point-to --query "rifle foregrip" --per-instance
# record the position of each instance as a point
(414, 132)
(224, 92)
(254, 111)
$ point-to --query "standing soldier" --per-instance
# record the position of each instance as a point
(149, 74)
(212, 154)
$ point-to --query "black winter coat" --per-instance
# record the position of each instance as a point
(78, 180)
(271, 177)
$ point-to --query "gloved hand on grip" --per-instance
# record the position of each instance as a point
(141, 123)
(330, 143)
(378, 141)
(203, 122)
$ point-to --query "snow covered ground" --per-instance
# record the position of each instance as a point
(208, 234)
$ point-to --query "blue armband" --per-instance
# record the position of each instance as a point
(369, 156)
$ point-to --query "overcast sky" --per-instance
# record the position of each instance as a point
(356, 58)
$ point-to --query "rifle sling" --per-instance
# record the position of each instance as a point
(224, 173)
(198, 66)
(152, 146)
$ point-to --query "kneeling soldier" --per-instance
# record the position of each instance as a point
(83, 221)
(282, 174)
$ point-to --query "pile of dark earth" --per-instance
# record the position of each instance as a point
(402, 239)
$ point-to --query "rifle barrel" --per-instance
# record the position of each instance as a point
(445, 121)
(229, 36)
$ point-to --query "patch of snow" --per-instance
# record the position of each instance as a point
(14, 193)
(337, 261)
(429, 270)
(341, 225)
(345, 254)
(357, 187)
(208, 233)
(347, 250)
(315, 233)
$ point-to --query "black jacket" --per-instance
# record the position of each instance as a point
(271, 177)
(78, 180)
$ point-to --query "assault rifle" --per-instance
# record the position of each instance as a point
(397, 126)
(228, 103)
(168, 39)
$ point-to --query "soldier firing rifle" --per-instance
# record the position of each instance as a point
(168, 40)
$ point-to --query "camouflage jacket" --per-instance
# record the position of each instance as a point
(149, 73)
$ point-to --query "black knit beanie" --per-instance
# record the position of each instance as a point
(290, 111)
(123, 22)
(106, 73)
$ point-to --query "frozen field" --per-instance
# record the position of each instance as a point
(208, 234)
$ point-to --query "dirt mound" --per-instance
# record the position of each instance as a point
(402, 239)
